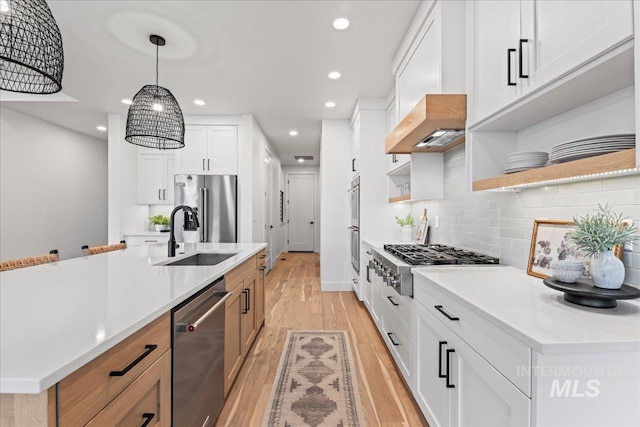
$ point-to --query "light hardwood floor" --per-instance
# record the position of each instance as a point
(294, 302)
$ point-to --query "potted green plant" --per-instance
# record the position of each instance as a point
(160, 222)
(597, 235)
(406, 227)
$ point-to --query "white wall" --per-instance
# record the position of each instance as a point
(53, 188)
(315, 171)
(335, 179)
(500, 224)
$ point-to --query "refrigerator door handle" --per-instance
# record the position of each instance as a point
(204, 203)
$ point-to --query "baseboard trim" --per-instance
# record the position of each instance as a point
(336, 286)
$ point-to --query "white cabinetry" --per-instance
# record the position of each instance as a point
(355, 145)
(519, 47)
(209, 150)
(455, 384)
(155, 178)
(394, 161)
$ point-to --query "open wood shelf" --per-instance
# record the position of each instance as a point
(397, 199)
(625, 159)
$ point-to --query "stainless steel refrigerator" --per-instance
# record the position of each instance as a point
(214, 198)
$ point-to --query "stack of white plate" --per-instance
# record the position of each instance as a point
(588, 147)
(525, 160)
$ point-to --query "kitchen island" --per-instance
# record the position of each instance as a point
(56, 318)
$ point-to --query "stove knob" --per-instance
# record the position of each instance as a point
(395, 283)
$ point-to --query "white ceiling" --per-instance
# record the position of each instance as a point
(265, 58)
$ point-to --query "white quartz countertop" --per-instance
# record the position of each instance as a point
(54, 318)
(535, 314)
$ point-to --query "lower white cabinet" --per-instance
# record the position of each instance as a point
(367, 278)
(455, 386)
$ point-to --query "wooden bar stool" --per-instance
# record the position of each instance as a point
(13, 264)
(102, 249)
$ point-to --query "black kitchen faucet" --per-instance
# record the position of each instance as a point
(172, 236)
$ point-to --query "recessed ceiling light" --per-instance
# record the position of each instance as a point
(301, 160)
(334, 75)
(293, 132)
(329, 104)
(4, 6)
(126, 101)
(341, 23)
(101, 128)
(157, 107)
(199, 102)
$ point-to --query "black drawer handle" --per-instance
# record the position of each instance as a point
(263, 268)
(263, 255)
(353, 165)
(391, 339)
(509, 52)
(447, 315)
(440, 345)
(449, 385)
(147, 418)
(522, 75)
(149, 347)
(392, 301)
(245, 310)
(368, 274)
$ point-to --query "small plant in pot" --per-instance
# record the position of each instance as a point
(160, 222)
(597, 235)
(406, 227)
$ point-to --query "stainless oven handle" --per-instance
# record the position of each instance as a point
(191, 327)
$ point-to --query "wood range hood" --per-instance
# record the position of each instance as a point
(432, 113)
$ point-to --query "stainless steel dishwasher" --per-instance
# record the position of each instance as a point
(198, 357)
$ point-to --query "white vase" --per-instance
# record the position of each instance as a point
(406, 233)
(160, 227)
(607, 271)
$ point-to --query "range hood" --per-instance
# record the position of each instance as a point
(435, 125)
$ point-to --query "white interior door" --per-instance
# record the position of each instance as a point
(301, 198)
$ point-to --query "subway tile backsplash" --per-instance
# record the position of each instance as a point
(501, 223)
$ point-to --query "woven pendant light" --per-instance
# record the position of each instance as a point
(31, 55)
(155, 118)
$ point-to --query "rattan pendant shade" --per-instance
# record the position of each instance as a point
(31, 54)
(155, 118)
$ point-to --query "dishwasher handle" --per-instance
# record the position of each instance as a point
(191, 327)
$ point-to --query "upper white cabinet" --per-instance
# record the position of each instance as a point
(155, 178)
(394, 161)
(431, 58)
(355, 145)
(521, 46)
(209, 150)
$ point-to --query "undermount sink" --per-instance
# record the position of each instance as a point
(202, 259)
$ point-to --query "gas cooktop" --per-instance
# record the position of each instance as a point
(435, 254)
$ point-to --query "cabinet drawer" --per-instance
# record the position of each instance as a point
(507, 354)
(399, 308)
(88, 390)
(145, 240)
(399, 346)
(147, 398)
(238, 274)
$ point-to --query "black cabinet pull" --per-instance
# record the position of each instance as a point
(245, 310)
(394, 158)
(449, 351)
(248, 300)
(391, 339)
(263, 268)
(147, 418)
(509, 52)
(447, 315)
(440, 345)
(368, 274)
(392, 301)
(521, 74)
(149, 347)
(353, 165)
(264, 255)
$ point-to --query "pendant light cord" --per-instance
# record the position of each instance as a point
(156, 65)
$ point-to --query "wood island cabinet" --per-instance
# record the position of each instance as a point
(244, 314)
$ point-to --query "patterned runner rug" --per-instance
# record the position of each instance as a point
(316, 383)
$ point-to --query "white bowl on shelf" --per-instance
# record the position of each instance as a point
(567, 271)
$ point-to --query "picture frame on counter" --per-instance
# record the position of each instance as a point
(421, 235)
(550, 242)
